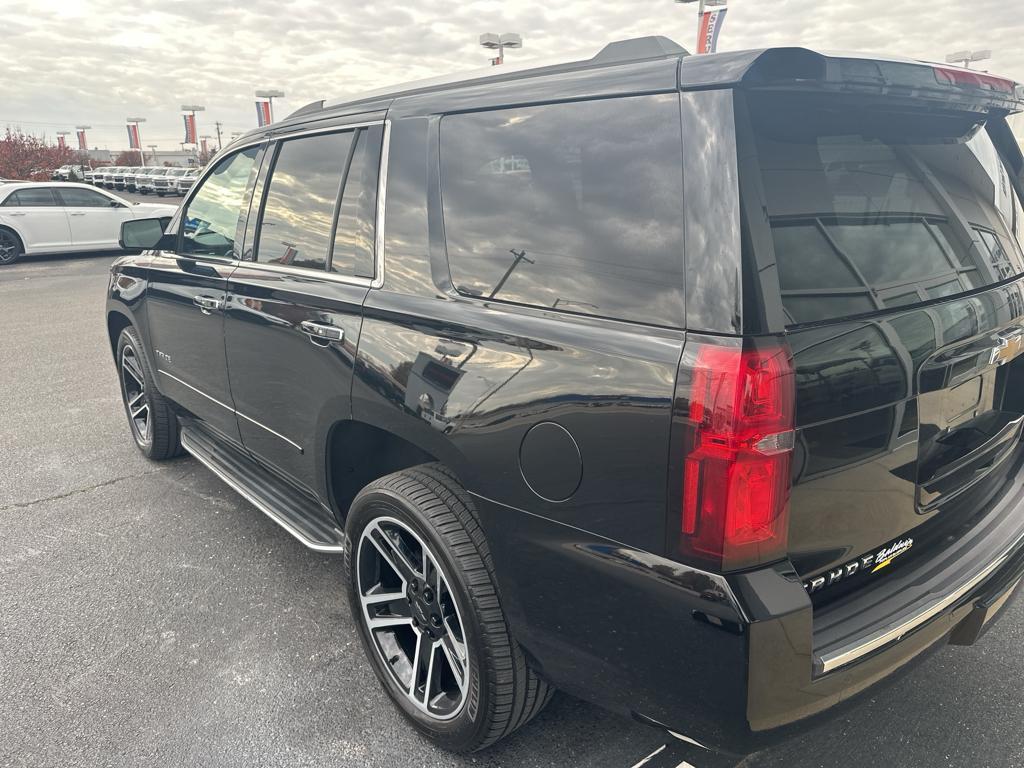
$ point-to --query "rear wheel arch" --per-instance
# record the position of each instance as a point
(358, 453)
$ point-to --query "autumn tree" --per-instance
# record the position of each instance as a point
(27, 157)
(128, 159)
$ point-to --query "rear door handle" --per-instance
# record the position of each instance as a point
(79, 213)
(207, 304)
(324, 331)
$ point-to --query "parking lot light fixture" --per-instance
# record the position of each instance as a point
(270, 94)
(966, 57)
(499, 43)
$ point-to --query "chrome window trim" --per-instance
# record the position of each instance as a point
(382, 185)
(382, 195)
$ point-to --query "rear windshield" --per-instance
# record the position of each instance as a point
(874, 211)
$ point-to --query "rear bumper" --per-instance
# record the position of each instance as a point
(731, 663)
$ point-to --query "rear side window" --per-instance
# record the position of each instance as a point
(31, 198)
(85, 198)
(321, 201)
(574, 206)
(874, 212)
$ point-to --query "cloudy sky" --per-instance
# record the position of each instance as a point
(95, 62)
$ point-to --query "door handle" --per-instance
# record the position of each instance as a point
(324, 331)
(207, 304)
(79, 213)
(22, 213)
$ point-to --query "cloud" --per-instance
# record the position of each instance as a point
(68, 62)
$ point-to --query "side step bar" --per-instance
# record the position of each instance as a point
(301, 516)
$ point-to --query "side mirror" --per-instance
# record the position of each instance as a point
(115, 204)
(146, 234)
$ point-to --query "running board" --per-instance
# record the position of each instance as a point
(301, 516)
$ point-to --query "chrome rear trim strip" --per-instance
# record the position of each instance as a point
(829, 662)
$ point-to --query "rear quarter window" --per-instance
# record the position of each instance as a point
(574, 206)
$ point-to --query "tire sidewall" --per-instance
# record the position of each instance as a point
(17, 254)
(129, 339)
(466, 729)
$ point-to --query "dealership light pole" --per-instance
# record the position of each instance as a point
(81, 135)
(152, 148)
(192, 109)
(966, 57)
(270, 94)
(138, 135)
(499, 43)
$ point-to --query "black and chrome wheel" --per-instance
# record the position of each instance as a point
(422, 591)
(153, 423)
(413, 618)
(10, 247)
(133, 385)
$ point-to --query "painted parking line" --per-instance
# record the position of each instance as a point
(683, 752)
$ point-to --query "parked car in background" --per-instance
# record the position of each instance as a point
(87, 176)
(144, 182)
(187, 180)
(691, 385)
(64, 172)
(167, 183)
(107, 179)
(132, 177)
(64, 217)
(118, 176)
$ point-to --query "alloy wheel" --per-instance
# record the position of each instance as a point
(9, 249)
(412, 617)
(133, 384)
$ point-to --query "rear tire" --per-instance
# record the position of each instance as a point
(11, 247)
(153, 424)
(420, 521)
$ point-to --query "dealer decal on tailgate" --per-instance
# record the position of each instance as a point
(871, 563)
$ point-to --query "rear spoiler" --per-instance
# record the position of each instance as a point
(801, 69)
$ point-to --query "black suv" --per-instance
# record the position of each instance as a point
(689, 385)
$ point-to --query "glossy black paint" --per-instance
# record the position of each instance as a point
(564, 427)
(186, 343)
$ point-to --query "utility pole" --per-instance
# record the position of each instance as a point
(520, 256)
(153, 149)
(218, 124)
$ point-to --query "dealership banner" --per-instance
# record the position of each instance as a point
(190, 129)
(710, 27)
(134, 142)
(263, 113)
(82, 143)
(204, 149)
(60, 142)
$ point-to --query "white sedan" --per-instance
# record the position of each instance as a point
(64, 217)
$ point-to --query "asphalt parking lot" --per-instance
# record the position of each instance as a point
(151, 616)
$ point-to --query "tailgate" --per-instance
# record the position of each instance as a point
(896, 241)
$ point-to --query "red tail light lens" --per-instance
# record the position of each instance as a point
(736, 472)
(966, 77)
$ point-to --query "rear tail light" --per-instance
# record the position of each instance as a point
(970, 79)
(736, 469)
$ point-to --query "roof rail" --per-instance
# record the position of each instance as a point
(618, 52)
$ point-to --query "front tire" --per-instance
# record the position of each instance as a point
(423, 593)
(11, 248)
(153, 424)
